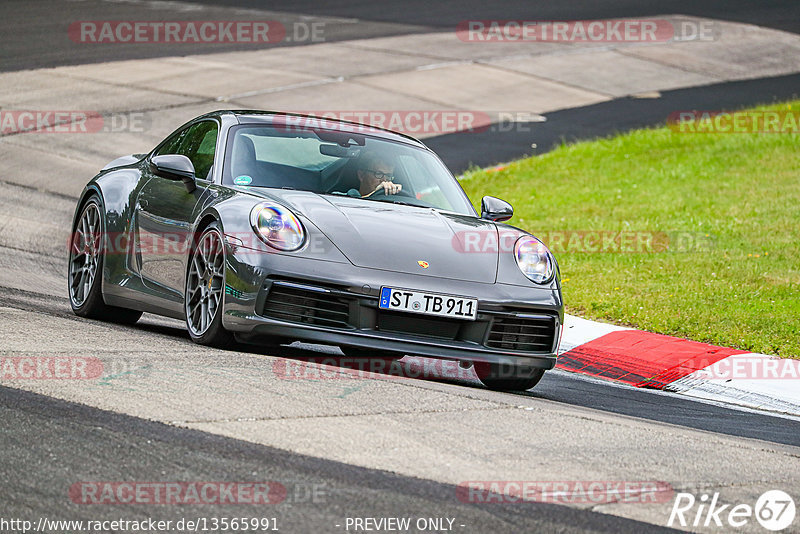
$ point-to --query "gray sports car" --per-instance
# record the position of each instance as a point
(253, 225)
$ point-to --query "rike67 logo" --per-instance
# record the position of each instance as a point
(774, 510)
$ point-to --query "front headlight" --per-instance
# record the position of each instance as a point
(277, 226)
(534, 260)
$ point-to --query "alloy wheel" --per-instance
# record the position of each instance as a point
(84, 254)
(205, 283)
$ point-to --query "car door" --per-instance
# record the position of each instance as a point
(165, 211)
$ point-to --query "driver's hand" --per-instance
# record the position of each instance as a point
(389, 188)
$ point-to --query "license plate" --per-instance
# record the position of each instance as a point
(408, 300)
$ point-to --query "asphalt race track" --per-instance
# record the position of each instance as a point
(606, 118)
(370, 446)
(30, 33)
(77, 438)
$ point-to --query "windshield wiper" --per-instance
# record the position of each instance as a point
(392, 201)
(385, 200)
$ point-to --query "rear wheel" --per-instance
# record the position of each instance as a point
(205, 290)
(508, 377)
(85, 271)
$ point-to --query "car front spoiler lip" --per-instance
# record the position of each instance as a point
(252, 329)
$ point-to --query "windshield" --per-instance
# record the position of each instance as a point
(340, 163)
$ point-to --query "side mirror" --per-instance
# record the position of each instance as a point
(175, 167)
(494, 209)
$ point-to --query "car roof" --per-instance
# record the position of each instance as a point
(311, 121)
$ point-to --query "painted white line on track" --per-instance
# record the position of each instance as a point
(719, 402)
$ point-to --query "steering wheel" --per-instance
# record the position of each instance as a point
(382, 193)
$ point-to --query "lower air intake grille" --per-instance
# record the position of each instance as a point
(419, 325)
(523, 334)
(288, 303)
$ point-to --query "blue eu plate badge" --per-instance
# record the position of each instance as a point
(386, 294)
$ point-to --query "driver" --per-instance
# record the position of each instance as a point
(375, 174)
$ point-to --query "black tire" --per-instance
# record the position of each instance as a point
(508, 377)
(211, 333)
(89, 302)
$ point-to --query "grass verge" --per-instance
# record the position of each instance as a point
(721, 213)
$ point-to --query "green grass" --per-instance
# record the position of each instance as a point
(736, 194)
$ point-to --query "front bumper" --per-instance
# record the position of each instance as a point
(336, 303)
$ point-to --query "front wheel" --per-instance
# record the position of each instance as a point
(508, 377)
(205, 290)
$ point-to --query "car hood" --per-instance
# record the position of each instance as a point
(394, 237)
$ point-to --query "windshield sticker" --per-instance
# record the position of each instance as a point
(243, 180)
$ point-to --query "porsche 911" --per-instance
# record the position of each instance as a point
(256, 226)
